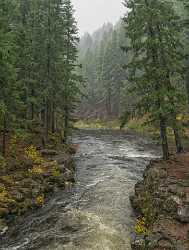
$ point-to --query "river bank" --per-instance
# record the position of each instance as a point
(29, 175)
(161, 201)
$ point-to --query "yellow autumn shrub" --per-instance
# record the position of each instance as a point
(56, 171)
(140, 227)
(37, 170)
(40, 200)
(33, 154)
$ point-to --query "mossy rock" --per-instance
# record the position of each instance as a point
(3, 212)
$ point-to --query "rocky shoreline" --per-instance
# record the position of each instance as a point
(28, 184)
(161, 202)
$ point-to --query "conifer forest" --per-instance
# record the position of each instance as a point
(94, 125)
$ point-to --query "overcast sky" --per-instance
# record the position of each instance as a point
(92, 14)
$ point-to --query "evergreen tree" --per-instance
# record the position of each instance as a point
(38, 59)
(185, 17)
(7, 70)
(71, 80)
(103, 69)
(154, 32)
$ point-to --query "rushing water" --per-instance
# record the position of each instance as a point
(96, 213)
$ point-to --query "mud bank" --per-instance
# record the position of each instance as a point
(161, 202)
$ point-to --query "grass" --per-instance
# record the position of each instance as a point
(138, 126)
(97, 124)
(134, 124)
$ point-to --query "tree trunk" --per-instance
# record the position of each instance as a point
(53, 118)
(46, 121)
(163, 134)
(176, 130)
(153, 53)
(108, 103)
(178, 141)
(66, 125)
(117, 104)
(187, 86)
(32, 105)
(4, 135)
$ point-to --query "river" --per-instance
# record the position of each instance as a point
(95, 214)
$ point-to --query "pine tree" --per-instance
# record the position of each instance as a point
(70, 78)
(154, 32)
(7, 69)
(103, 68)
(185, 17)
(38, 48)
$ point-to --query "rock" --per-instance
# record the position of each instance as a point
(159, 241)
(183, 213)
(173, 189)
(35, 191)
(73, 149)
(27, 163)
(17, 196)
(26, 191)
(49, 152)
(162, 198)
(3, 227)
(138, 243)
(152, 240)
(3, 212)
(68, 185)
(68, 175)
(134, 202)
(165, 244)
(60, 160)
(171, 204)
(180, 245)
(49, 164)
(139, 187)
(162, 173)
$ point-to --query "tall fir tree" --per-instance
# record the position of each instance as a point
(8, 94)
(154, 32)
(71, 80)
(38, 58)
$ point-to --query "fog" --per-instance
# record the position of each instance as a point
(92, 14)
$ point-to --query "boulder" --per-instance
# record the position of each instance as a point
(183, 213)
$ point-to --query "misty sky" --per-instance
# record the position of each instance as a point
(92, 14)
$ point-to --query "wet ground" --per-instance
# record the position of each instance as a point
(96, 213)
